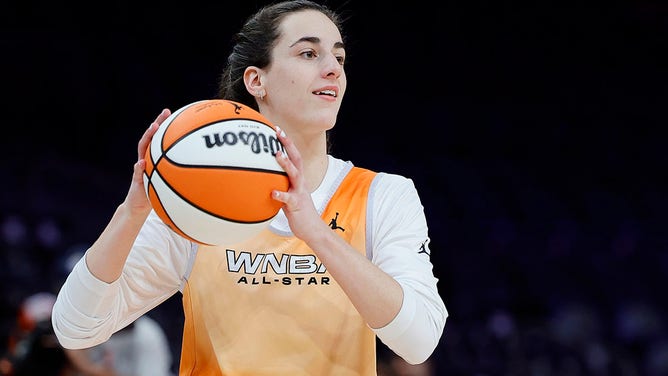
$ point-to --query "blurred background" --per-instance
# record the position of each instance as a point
(534, 132)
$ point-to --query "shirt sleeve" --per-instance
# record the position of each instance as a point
(88, 311)
(400, 247)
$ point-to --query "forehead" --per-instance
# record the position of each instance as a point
(308, 23)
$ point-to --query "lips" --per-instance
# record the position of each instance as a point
(332, 92)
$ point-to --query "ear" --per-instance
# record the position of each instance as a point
(253, 81)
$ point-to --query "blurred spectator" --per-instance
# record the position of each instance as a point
(33, 348)
(139, 349)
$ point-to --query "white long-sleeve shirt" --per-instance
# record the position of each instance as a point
(88, 311)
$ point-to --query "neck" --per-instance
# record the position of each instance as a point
(314, 158)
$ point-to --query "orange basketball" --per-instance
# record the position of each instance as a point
(210, 171)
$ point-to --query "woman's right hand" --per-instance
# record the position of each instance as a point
(136, 199)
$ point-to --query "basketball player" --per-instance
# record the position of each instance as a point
(346, 259)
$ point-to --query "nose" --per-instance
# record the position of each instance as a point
(331, 66)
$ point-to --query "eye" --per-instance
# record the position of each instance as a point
(310, 54)
(341, 59)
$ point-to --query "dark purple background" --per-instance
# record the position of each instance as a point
(534, 133)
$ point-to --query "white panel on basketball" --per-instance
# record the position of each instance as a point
(199, 225)
(229, 143)
(156, 147)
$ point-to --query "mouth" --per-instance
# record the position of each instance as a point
(331, 93)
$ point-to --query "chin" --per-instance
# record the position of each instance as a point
(324, 121)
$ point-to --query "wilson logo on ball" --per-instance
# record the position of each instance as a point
(210, 171)
(258, 142)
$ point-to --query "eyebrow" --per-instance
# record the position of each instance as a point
(315, 40)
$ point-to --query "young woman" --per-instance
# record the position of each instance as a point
(350, 245)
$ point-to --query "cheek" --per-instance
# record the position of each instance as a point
(290, 80)
(285, 73)
(286, 80)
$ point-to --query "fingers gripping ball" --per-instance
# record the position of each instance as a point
(210, 170)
